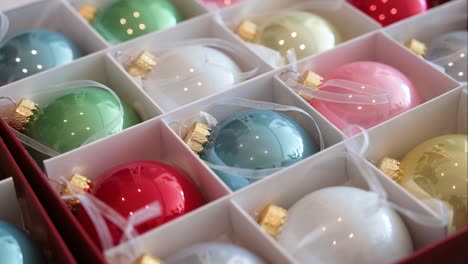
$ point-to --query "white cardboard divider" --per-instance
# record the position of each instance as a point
(350, 22)
(151, 140)
(378, 47)
(97, 67)
(326, 169)
(54, 15)
(446, 115)
(9, 207)
(222, 221)
(187, 8)
(427, 26)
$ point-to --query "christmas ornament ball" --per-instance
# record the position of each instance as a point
(134, 185)
(382, 79)
(387, 12)
(194, 72)
(16, 247)
(336, 219)
(78, 114)
(123, 20)
(33, 51)
(305, 32)
(257, 139)
(437, 168)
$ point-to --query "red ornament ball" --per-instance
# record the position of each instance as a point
(132, 186)
(387, 12)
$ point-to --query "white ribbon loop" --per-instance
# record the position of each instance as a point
(164, 51)
(99, 212)
(4, 25)
(47, 95)
(253, 174)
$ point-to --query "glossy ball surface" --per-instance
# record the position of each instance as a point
(346, 224)
(132, 186)
(437, 168)
(16, 247)
(387, 12)
(213, 252)
(33, 51)
(305, 32)
(191, 72)
(69, 120)
(402, 95)
(257, 139)
(220, 3)
(123, 20)
(450, 51)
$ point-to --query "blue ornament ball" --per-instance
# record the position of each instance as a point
(257, 139)
(33, 51)
(16, 247)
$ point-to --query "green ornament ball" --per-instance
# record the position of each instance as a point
(71, 119)
(123, 20)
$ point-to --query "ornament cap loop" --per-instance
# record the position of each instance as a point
(311, 80)
(391, 167)
(247, 30)
(272, 218)
(143, 64)
(79, 184)
(197, 137)
(417, 47)
(147, 259)
(25, 112)
(88, 12)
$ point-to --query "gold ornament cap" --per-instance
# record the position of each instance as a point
(147, 259)
(25, 112)
(88, 12)
(79, 184)
(417, 46)
(312, 80)
(247, 30)
(197, 137)
(143, 64)
(272, 218)
(391, 167)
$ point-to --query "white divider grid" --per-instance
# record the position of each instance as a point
(444, 108)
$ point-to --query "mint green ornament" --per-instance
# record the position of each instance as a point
(77, 116)
(123, 20)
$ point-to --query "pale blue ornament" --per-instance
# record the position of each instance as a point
(16, 247)
(32, 51)
(256, 139)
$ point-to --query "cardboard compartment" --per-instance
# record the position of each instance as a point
(379, 48)
(33, 183)
(159, 43)
(54, 15)
(425, 27)
(20, 206)
(10, 210)
(348, 21)
(98, 67)
(187, 8)
(326, 169)
(264, 88)
(222, 221)
(152, 140)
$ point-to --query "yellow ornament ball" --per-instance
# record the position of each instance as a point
(437, 168)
